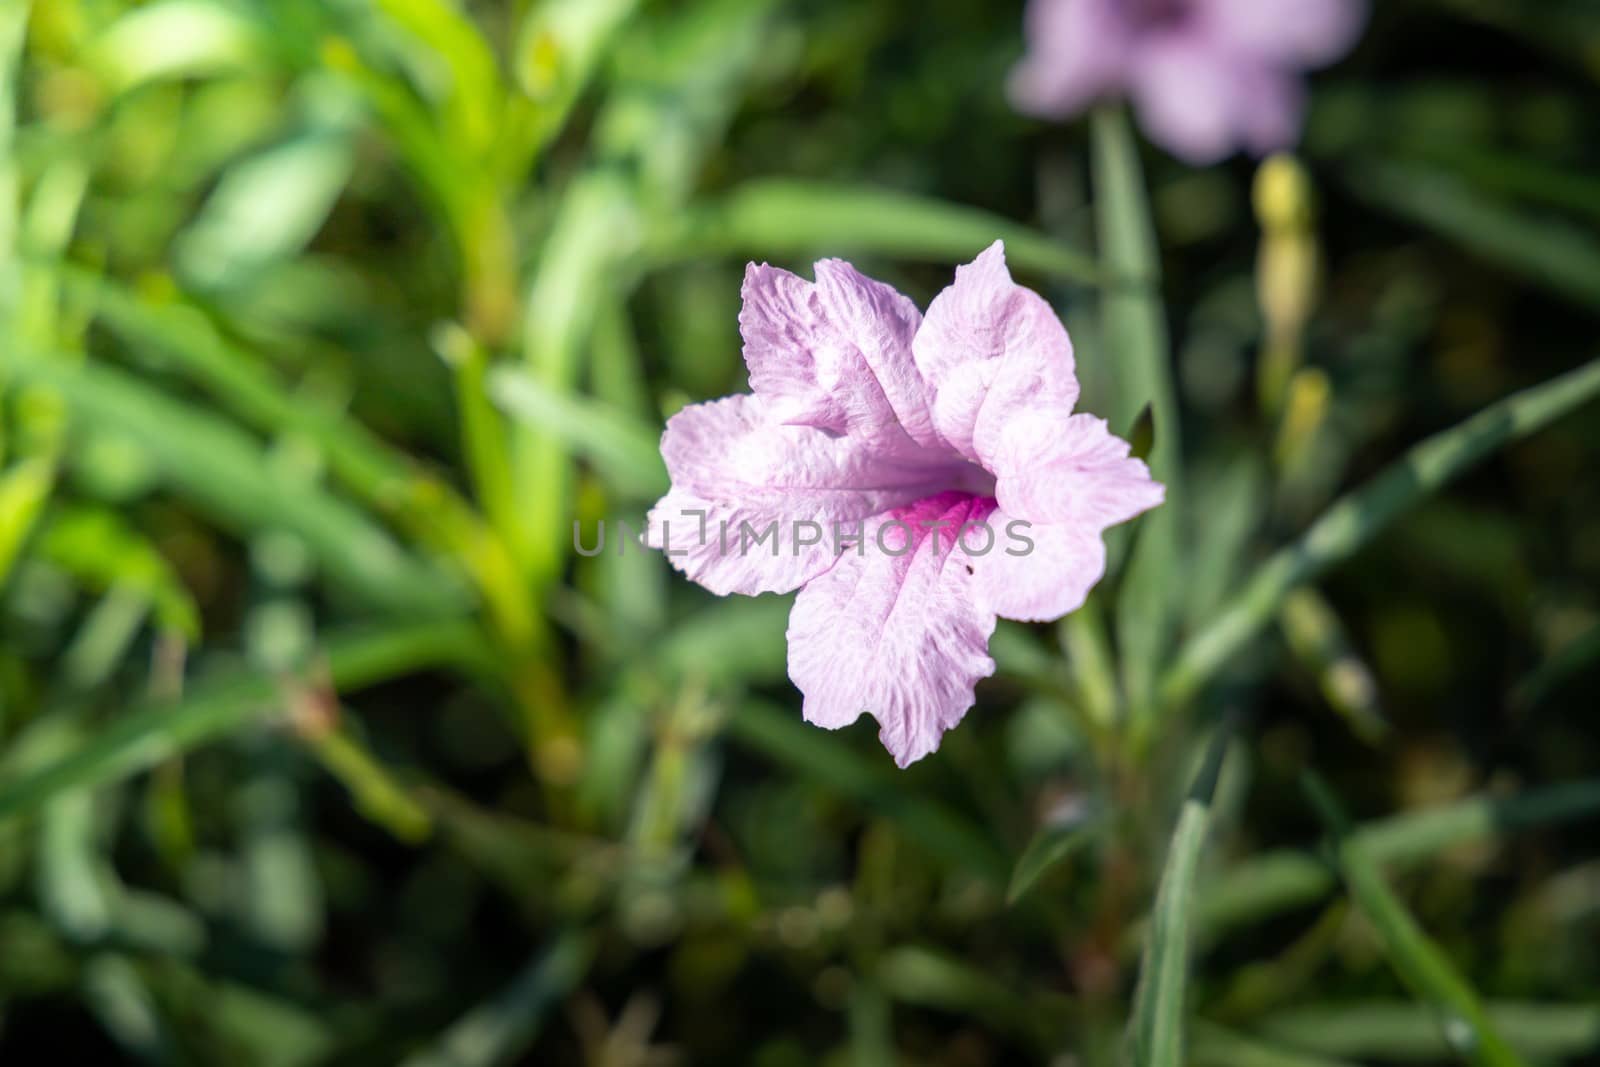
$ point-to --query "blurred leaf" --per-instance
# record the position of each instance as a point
(1156, 1030)
(626, 451)
(790, 217)
(266, 208)
(1575, 657)
(559, 46)
(1318, 640)
(1278, 881)
(1217, 1047)
(177, 39)
(499, 1031)
(24, 490)
(1549, 251)
(1359, 516)
(1420, 963)
(1136, 337)
(225, 473)
(473, 91)
(1061, 838)
(824, 759)
(97, 547)
(142, 738)
(1394, 1030)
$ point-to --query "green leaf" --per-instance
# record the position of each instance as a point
(140, 739)
(625, 450)
(227, 474)
(502, 1029)
(24, 491)
(1215, 1046)
(790, 217)
(97, 547)
(1270, 884)
(1052, 845)
(1421, 964)
(1358, 517)
(1395, 1030)
(1137, 346)
(781, 736)
(1156, 1030)
(1550, 251)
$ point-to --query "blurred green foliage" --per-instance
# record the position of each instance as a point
(323, 322)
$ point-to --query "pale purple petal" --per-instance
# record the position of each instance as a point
(992, 349)
(748, 474)
(1074, 472)
(1077, 51)
(836, 354)
(1299, 34)
(895, 633)
(1037, 572)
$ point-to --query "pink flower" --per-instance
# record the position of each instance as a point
(879, 451)
(1207, 76)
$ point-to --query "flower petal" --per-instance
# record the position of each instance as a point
(736, 474)
(1074, 472)
(1201, 101)
(894, 629)
(992, 349)
(1037, 572)
(1077, 51)
(836, 354)
(1306, 33)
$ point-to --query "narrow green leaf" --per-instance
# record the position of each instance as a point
(226, 473)
(789, 217)
(1137, 347)
(625, 450)
(142, 738)
(825, 759)
(1421, 964)
(1549, 251)
(1396, 1030)
(500, 1030)
(1052, 845)
(1356, 518)
(1215, 1046)
(1275, 882)
(103, 552)
(24, 491)
(1156, 1030)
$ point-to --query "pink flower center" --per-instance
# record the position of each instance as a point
(1148, 15)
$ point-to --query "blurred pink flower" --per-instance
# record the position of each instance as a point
(1206, 76)
(878, 453)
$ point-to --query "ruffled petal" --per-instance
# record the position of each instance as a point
(1077, 52)
(836, 354)
(992, 350)
(1037, 572)
(737, 474)
(894, 629)
(1074, 472)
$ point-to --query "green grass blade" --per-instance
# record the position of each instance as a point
(1358, 517)
(625, 450)
(1156, 1031)
(1396, 1030)
(500, 1031)
(1549, 251)
(142, 738)
(1137, 346)
(224, 472)
(793, 217)
(781, 736)
(1421, 964)
(1276, 882)
(1215, 1046)
(1052, 845)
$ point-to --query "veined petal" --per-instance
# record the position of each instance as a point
(895, 629)
(836, 354)
(736, 475)
(1074, 472)
(992, 350)
(1037, 571)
